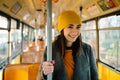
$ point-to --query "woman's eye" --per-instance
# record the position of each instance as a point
(78, 27)
(70, 27)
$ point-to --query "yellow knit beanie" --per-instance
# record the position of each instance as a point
(66, 18)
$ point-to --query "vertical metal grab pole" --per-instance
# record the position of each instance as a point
(49, 34)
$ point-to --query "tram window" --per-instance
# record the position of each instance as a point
(89, 25)
(42, 34)
(89, 34)
(16, 42)
(111, 21)
(109, 40)
(25, 37)
(13, 24)
(90, 38)
(3, 22)
(16, 38)
(31, 35)
(110, 47)
(3, 45)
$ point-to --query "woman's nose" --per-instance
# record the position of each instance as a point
(74, 32)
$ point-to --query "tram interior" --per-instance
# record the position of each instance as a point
(23, 38)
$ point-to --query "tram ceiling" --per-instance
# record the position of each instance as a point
(33, 12)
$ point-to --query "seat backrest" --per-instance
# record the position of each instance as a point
(21, 72)
(16, 72)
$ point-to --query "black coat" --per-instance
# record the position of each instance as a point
(85, 66)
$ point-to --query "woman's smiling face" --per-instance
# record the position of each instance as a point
(72, 32)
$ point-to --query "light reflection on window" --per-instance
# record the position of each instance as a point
(90, 38)
(89, 25)
(31, 35)
(3, 44)
(13, 24)
(16, 41)
(16, 38)
(107, 22)
(3, 22)
(25, 37)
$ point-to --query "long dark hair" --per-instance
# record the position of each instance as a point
(60, 45)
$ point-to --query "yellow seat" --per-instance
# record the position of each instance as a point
(21, 72)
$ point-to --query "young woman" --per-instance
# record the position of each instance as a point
(72, 59)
